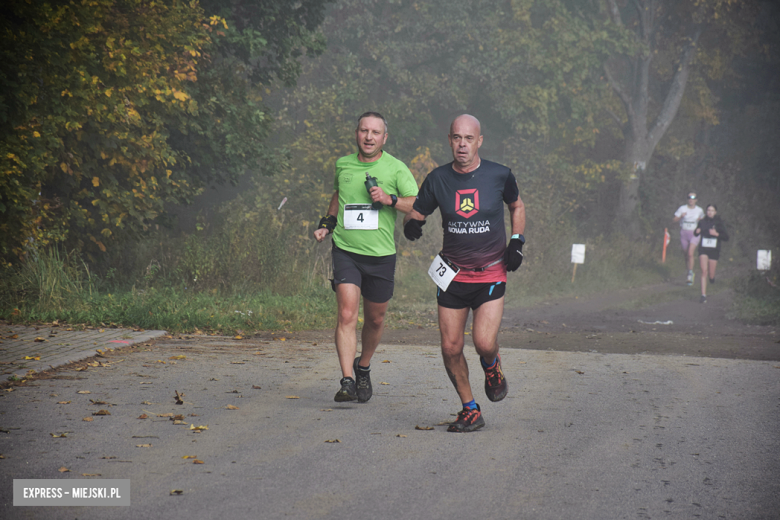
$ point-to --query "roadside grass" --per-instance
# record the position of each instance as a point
(757, 297)
(57, 286)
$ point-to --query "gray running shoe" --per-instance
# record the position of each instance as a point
(469, 419)
(690, 277)
(347, 392)
(363, 380)
(703, 299)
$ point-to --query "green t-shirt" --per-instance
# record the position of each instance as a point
(394, 178)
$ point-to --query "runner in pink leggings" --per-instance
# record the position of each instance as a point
(689, 215)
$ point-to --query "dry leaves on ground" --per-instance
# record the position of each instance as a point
(423, 427)
(143, 445)
(102, 412)
(231, 407)
(179, 397)
(63, 469)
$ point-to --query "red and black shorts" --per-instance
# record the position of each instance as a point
(460, 295)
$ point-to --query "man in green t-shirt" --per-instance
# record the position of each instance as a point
(362, 222)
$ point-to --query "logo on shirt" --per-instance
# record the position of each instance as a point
(467, 202)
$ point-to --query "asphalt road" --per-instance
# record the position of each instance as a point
(582, 435)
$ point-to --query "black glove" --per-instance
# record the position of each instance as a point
(513, 256)
(413, 229)
(328, 222)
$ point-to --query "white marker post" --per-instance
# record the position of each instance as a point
(764, 260)
(577, 257)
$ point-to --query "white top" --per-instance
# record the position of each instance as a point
(691, 218)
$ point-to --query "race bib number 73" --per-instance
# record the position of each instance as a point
(441, 273)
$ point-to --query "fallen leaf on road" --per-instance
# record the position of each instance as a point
(2, 456)
(87, 419)
(238, 337)
(231, 407)
(143, 445)
(400, 435)
(143, 416)
(63, 402)
(91, 475)
(196, 461)
(33, 358)
(178, 397)
(83, 392)
(176, 491)
(292, 397)
(423, 428)
(190, 457)
(255, 387)
(63, 469)
(236, 362)
(198, 428)
(146, 402)
(386, 361)
(40, 340)
(164, 415)
(579, 371)
(146, 383)
(99, 403)
(102, 412)
(178, 357)
(177, 418)
(13, 336)
(333, 441)
(178, 421)
(160, 361)
(58, 436)
(326, 410)
(383, 383)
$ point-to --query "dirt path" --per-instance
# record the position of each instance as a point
(664, 319)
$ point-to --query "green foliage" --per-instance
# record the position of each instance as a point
(111, 108)
(89, 89)
(758, 297)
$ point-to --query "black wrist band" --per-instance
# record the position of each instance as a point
(394, 199)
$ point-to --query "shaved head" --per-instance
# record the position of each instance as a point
(470, 119)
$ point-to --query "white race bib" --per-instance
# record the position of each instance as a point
(709, 242)
(441, 273)
(689, 226)
(360, 216)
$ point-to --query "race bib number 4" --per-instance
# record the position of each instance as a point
(709, 242)
(442, 273)
(360, 216)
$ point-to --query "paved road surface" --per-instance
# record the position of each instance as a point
(581, 435)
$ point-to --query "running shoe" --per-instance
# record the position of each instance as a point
(712, 280)
(703, 299)
(347, 392)
(495, 382)
(363, 381)
(469, 419)
(690, 277)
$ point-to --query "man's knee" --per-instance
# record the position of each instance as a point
(348, 314)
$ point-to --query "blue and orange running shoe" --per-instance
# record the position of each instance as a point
(469, 419)
(495, 383)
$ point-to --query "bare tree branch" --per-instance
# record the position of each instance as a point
(615, 117)
(619, 91)
(614, 13)
(676, 90)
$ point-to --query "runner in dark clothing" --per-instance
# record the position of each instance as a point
(713, 232)
(471, 269)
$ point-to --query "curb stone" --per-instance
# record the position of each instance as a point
(57, 346)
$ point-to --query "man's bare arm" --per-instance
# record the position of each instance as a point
(517, 213)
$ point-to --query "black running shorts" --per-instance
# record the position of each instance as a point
(710, 252)
(460, 295)
(373, 274)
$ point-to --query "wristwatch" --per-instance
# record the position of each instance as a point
(521, 238)
(394, 199)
